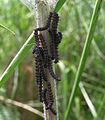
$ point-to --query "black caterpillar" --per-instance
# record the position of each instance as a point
(57, 42)
(45, 55)
(52, 32)
(52, 45)
(55, 37)
(50, 95)
(44, 95)
(54, 22)
(48, 102)
(38, 72)
(50, 68)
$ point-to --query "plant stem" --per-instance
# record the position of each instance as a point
(41, 16)
(7, 29)
(84, 55)
(21, 105)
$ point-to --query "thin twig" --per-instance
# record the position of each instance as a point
(21, 105)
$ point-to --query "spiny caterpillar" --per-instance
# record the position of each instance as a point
(57, 42)
(45, 55)
(38, 72)
(50, 95)
(50, 69)
(55, 37)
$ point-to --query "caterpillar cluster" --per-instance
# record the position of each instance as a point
(45, 57)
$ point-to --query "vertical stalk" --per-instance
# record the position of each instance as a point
(41, 15)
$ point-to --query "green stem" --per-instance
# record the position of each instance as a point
(59, 4)
(7, 29)
(84, 55)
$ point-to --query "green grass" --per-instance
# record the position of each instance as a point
(84, 55)
(17, 59)
(59, 5)
(75, 17)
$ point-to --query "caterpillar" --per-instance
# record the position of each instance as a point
(50, 95)
(58, 38)
(40, 91)
(54, 22)
(57, 42)
(52, 45)
(44, 92)
(40, 85)
(54, 37)
(50, 68)
(39, 65)
(48, 102)
(38, 72)
(36, 38)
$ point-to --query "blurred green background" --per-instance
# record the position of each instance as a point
(75, 16)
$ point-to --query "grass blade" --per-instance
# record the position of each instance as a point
(17, 59)
(101, 114)
(87, 99)
(7, 29)
(59, 5)
(84, 54)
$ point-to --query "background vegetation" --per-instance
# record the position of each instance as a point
(75, 17)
